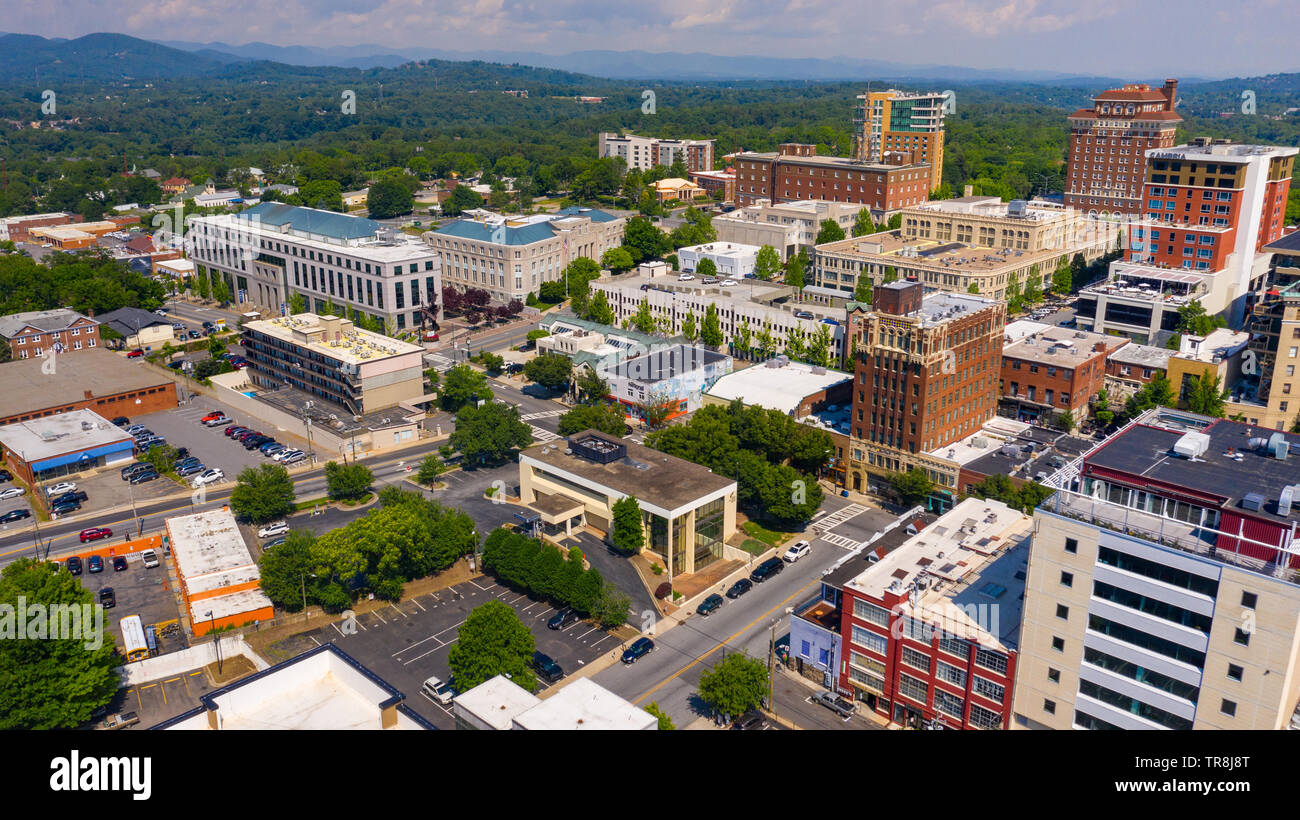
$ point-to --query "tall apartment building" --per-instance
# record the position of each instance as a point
(1162, 587)
(330, 359)
(1106, 164)
(1210, 208)
(1274, 350)
(645, 153)
(510, 257)
(926, 372)
(896, 121)
(795, 172)
(786, 227)
(34, 332)
(271, 251)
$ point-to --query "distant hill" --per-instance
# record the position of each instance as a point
(100, 57)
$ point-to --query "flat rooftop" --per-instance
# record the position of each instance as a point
(892, 248)
(722, 249)
(991, 207)
(653, 477)
(322, 231)
(302, 404)
(496, 701)
(776, 388)
(1230, 152)
(971, 555)
(1021, 328)
(96, 371)
(1063, 347)
(1218, 345)
(333, 337)
(1142, 356)
(941, 306)
(831, 162)
(664, 363)
(885, 541)
(585, 704)
(746, 292)
(209, 549)
(51, 436)
(1144, 453)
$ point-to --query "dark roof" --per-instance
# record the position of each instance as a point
(96, 371)
(519, 234)
(57, 319)
(1145, 453)
(1290, 242)
(130, 320)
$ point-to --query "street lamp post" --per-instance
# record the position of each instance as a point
(216, 639)
(303, 578)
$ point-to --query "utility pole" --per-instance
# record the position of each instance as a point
(771, 668)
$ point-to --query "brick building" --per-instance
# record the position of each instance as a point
(35, 332)
(715, 182)
(1054, 371)
(926, 374)
(1106, 164)
(795, 172)
(16, 228)
(98, 380)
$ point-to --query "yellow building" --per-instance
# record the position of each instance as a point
(677, 188)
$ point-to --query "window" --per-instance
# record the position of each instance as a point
(1049, 706)
(1242, 637)
(1063, 612)
(919, 660)
(869, 640)
(870, 612)
(1067, 579)
(993, 661)
(1072, 545)
(982, 718)
(1249, 599)
(948, 703)
(1228, 708)
(913, 688)
(989, 689)
(950, 674)
(1235, 672)
(1058, 643)
(1054, 675)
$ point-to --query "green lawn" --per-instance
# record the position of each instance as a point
(771, 538)
(754, 547)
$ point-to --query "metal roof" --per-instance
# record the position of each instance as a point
(312, 221)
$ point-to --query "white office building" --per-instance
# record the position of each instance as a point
(734, 261)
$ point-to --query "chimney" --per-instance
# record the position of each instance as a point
(969, 190)
(88, 394)
(1171, 94)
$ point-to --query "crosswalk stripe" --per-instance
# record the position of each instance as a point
(543, 435)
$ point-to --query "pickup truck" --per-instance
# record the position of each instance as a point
(120, 721)
(840, 706)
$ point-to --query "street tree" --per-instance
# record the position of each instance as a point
(550, 370)
(912, 487)
(829, 231)
(691, 327)
(263, 493)
(628, 533)
(767, 263)
(463, 385)
(489, 434)
(604, 417)
(347, 482)
(431, 466)
(736, 684)
(862, 224)
(711, 330)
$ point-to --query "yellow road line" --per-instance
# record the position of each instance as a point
(724, 642)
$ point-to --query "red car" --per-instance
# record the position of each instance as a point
(213, 415)
(95, 533)
(135, 354)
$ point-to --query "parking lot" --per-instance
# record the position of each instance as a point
(407, 642)
(181, 428)
(18, 502)
(139, 591)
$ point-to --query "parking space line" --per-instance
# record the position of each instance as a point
(416, 601)
(588, 632)
(430, 652)
(399, 612)
(336, 628)
(313, 637)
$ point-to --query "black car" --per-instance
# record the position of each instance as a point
(119, 563)
(740, 588)
(752, 720)
(95, 564)
(70, 497)
(74, 565)
(130, 471)
(177, 365)
(121, 421)
(143, 476)
(70, 506)
(709, 604)
(255, 441)
(5, 475)
(639, 648)
(547, 668)
(15, 515)
(106, 598)
(562, 619)
(766, 570)
(183, 452)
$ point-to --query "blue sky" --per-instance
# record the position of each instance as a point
(1145, 38)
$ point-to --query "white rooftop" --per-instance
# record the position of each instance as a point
(60, 434)
(496, 702)
(585, 704)
(1021, 328)
(992, 434)
(334, 337)
(210, 555)
(779, 388)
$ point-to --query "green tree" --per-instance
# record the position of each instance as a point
(610, 606)
(736, 684)
(489, 434)
(691, 327)
(599, 310)
(617, 260)
(388, 198)
(863, 289)
(795, 268)
(492, 641)
(590, 384)
(665, 722)
(463, 385)
(432, 378)
(58, 682)
(1064, 420)
(766, 263)
(326, 194)
(974, 288)
(431, 466)
(263, 493)
(285, 570)
(829, 231)
(220, 290)
(1193, 319)
(891, 275)
(1033, 293)
(1207, 395)
(706, 267)
(744, 338)
(644, 241)
(1156, 393)
(658, 406)
(492, 362)
(896, 221)
(711, 330)
(297, 303)
(628, 534)
(912, 487)
(1063, 278)
(462, 199)
(604, 417)
(862, 223)
(643, 320)
(550, 370)
(347, 482)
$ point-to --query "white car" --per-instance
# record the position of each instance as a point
(294, 458)
(435, 689)
(272, 530)
(61, 487)
(797, 550)
(729, 283)
(685, 277)
(160, 312)
(12, 492)
(207, 477)
(283, 454)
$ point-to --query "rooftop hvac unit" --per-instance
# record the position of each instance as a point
(1277, 446)
(1192, 445)
(1285, 498)
(1252, 501)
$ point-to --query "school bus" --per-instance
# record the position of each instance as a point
(133, 643)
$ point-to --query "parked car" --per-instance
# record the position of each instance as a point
(121, 421)
(150, 558)
(272, 530)
(69, 506)
(436, 689)
(184, 462)
(190, 469)
(797, 550)
(685, 277)
(106, 597)
(95, 533)
(231, 431)
(183, 452)
(709, 604)
(119, 563)
(74, 565)
(135, 428)
(208, 476)
(752, 720)
(562, 619)
(75, 495)
(766, 570)
(294, 457)
(194, 334)
(213, 414)
(135, 354)
(95, 564)
(710, 280)
(639, 648)
(838, 705)
(275, 542)
(547, 669)
(253, 442)
(143, 476)
(132, 469)
(61, 487)
(281, 455)
(740, 588)
(120, 721)
(208, 325)
(5, 475)
(15, 515)
(217, 422)
(12, 492)
(270, 447)
(729, 283)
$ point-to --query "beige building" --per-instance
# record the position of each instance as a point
(687, 510)
(785, 227)
(1143, 610)
(988, 222)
